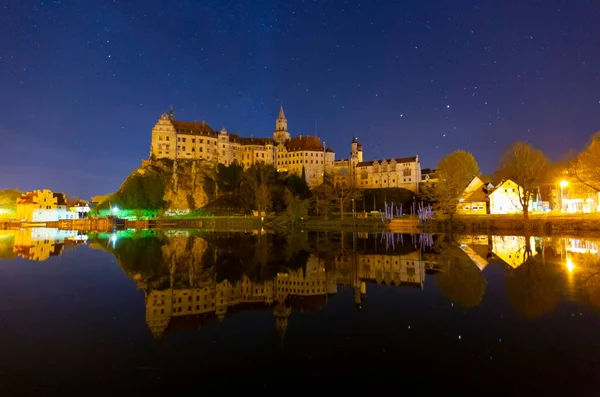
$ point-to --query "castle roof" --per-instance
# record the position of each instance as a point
(193, 128)
(256, 141)
(329, 150)
(397, 160)
(303, 143)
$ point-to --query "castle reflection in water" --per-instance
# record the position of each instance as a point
(189, 278)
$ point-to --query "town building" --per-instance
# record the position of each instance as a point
(43, 206)
(402, 172)
(504, 199)
(474, 199)
(183, 140)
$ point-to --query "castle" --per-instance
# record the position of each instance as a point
(184, 140)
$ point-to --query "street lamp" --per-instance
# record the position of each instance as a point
(563, 184)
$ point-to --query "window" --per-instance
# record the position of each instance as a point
(167, 138)
(193, 140)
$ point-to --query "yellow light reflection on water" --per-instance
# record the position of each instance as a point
(570, 265)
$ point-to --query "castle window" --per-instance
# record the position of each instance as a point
(406, 172)
(193, 149)
(178, 139)
(167, 138)
(182, 139)
(193, 140)
(223, 146)
(199, 149)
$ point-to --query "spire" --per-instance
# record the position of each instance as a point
(281, 114)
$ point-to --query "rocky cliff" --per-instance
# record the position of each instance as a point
(176, 185)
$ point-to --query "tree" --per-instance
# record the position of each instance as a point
(229, 177)
(587, 165)
(345, 195)
(324, 199)
(263, 197)
(297, 210)
(454, 173)
(526, 166)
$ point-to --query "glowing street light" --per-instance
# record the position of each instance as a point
(563, 184)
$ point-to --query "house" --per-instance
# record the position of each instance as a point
(474, 198)
(504, 198)
(43, 206)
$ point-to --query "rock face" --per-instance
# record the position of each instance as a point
(182, 184)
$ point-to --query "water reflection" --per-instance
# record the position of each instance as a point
(190, 277)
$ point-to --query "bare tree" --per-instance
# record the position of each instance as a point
(454, 173)
(526, 166)
(345, 195)
(587, 165)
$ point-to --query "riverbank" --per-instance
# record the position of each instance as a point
(211, 223)
(538, 224)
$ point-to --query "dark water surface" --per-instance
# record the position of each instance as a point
(180, 312)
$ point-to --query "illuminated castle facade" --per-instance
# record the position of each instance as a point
(183, 140)
(403, 172)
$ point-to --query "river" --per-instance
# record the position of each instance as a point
(183, 310)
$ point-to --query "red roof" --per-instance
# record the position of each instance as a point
(193, 128)
(304, 143)
(27, 198)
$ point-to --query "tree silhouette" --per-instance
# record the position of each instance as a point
(526, 166)
(587, 165)
(454, 173)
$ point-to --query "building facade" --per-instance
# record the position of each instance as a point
(403, 172)
(504, 199)
(173, 139)
(43, 206)
(474, 199)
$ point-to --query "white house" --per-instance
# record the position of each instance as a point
(504, 199)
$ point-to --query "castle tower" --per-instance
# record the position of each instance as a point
(281, 133)
(356, 154)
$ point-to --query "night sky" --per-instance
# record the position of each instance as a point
(83, 82)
